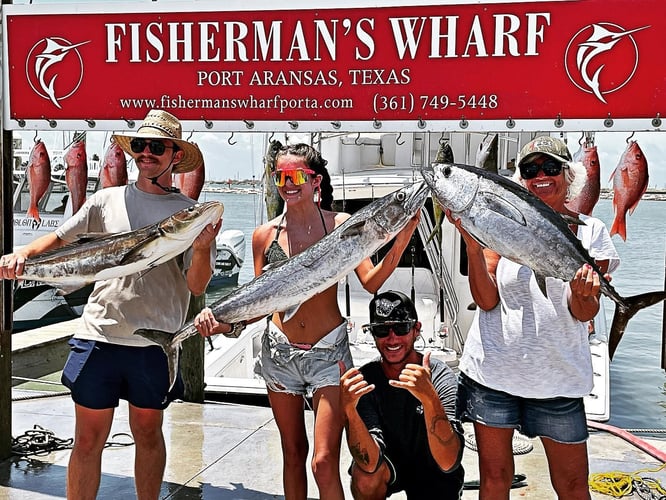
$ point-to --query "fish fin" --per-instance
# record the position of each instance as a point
(66, 290)
(163, 339)
(541, 281)
(502, 207)
(289, 313)
(573, 219)
(86, 237)
(625, 311)
(353, 230)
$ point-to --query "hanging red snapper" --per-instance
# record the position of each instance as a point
(39, 176)
(585, 201)
(114, 168)
(630, 181)
(76, 174)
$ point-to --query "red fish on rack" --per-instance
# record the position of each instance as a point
(630, 181)
(114, 168)
(39, 177)
(191, 183)
(585, 201)
(76, 175)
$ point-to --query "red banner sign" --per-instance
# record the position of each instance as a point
(585, 64)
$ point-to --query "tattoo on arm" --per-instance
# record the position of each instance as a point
(433, 429)
(360, 455)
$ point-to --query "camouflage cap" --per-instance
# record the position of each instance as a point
(545, 145)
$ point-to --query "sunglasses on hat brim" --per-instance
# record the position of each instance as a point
(298, 176)
(381, 330)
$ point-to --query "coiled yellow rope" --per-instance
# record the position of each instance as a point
(618, 484)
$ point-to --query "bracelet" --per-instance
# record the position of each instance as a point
(236, 330)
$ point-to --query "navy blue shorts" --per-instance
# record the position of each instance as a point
(100, 374)
(560, 419)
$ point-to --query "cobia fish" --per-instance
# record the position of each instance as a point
(585, 201)
(285, 286)
(518, 225)
(630, 181)
(114, 167)
(76, 173)
(38, 172)
(114, 255)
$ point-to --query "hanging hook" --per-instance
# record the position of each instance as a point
(229, 140)
(190, 136)
(35, 139)
(441, 139)
(357, 140)
(629, 138)
(270, 139)
(582, 136)
(397, 139)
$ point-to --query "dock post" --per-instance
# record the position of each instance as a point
(192, 357)
(6, 296)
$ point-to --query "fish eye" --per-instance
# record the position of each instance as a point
(447, 171)
(400, 196)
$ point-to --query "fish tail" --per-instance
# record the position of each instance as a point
(626, 310)
(34, 213)
(164, 340)
(619, 227)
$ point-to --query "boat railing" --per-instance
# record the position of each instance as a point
(442, 274)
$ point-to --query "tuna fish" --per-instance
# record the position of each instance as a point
(585, 201)
(515, 223)
(76, 174)
(285, 286)
(274, 202)
(103, 257)
(191, 183)
(630, 181)
(39, 177)
(114, 168)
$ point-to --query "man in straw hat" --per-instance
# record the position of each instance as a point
(107, 362)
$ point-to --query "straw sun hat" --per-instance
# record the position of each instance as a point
(159, 124)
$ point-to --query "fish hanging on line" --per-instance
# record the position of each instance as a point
(630, 181)
(38, 173)
(76, 173)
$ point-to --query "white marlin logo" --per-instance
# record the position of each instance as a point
(588, 51)
(44, 56)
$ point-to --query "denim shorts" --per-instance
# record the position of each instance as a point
(560, 419)
(99, 374)
(295, 370)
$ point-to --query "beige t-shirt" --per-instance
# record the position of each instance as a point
(157, 298)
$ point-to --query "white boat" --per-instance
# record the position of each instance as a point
(230, 257)
(363, 169)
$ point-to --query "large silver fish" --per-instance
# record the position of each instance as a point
(515, 223)
(285, 286)
(103, 257)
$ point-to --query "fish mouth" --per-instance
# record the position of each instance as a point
(417, 196)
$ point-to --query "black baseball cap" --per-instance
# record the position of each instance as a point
(391, 306)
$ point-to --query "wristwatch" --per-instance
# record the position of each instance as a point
(236, 330)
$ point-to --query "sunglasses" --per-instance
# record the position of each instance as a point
(155, 147)
(298, 176)
(382, 330)
(550, 167)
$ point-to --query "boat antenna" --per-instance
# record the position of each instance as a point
(412, 251)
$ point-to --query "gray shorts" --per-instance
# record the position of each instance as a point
(294, 370)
